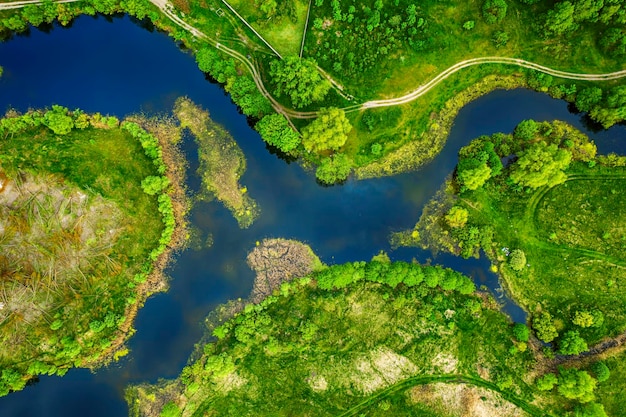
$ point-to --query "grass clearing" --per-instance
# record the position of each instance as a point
(284, 29)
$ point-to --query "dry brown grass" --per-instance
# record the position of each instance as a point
(463, 400)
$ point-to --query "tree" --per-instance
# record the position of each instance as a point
(329, 131)
(333, 170)
(590, 410)
(572, 344)
(275, 130)
(560, 20)
(457, 217)
(546, 382)
(588, 98)
(521, 332)
(472, 179)
(526, 130)
(544, 327)
(500, 38)
(613, 42)
(494, 10)
(247, 96)
(517, 260)
(583, 319)
(540, 165)
(576, 385)
(601, 371)
(299, 79)
(58, 120)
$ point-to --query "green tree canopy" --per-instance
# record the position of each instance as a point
(494, 10)
(329, 131)
(546, 382)
(474, 178)
(58, 120)
(576, 385)
(601, 371)
(526, 130)
(334, 169)
(275, 130)
(560, 20)
(521, 332)
(517, 260)
(572, 344)
(540, 165)
(457, 217)
(590, 410)
(299, 79)
(544, 327)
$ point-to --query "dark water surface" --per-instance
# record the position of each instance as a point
(118, 67)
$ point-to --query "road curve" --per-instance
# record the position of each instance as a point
(167, 9)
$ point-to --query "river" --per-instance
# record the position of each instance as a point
(118, 66)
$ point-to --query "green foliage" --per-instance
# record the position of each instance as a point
(474, 178)
(521, 332)
(560, 20)
(601, 371)
(299, 79)
(544, 327)
(517, 260)
(275, 130)
(328, 132)
(526, 130)
(494, 10)
(247, 96)
(583, 319)
(334, 169)
(546, 382)
(590, 410)
(613, 42)
(572, 344)
(469, 25)
(58, 120)
(576, 385)
(154, 185)
(540, 165)
(170, 410)
(457, 217)
(500, 38)
(210, 61)
(588, 98)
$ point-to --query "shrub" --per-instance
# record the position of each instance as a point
(517, 260)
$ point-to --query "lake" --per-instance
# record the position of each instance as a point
(119, 66)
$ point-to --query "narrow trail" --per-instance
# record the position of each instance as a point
(168, 10)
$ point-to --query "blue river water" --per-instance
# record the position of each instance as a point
(119, 66)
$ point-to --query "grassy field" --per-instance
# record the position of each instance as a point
(574, 245)
(284, 29)
(78, 236)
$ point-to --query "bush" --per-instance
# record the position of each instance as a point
(546, 382)
(494, 10)
(601, 371)
(333, 170)
(521, 332)
(517, 260)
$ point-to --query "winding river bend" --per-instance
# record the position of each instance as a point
(119, 66)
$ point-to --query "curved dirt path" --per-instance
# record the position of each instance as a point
(168, 10)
